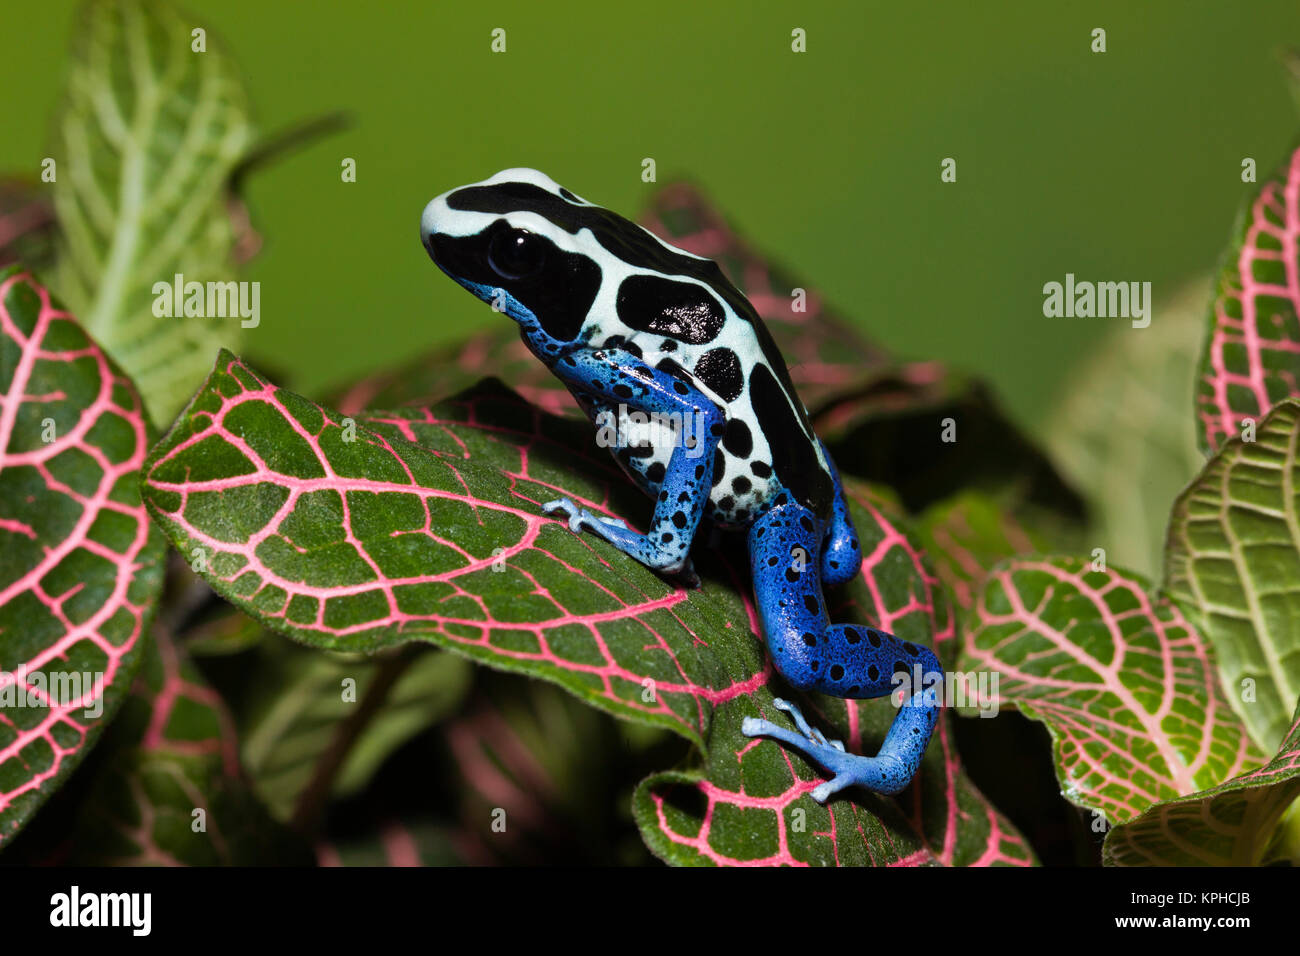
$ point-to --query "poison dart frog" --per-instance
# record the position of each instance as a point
(658, 347)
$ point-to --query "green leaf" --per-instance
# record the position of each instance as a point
(1234, 560)
(1121, 433)
(1251, 358)
(1124, 683)
(80, 567)
(398, 535)
(300, 706)
(146, 140)
(171, 791)
(1229, 825)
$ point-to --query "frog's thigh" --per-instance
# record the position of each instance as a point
(841, 555)
(845, 660)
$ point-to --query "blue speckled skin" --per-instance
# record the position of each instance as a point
(632, 325)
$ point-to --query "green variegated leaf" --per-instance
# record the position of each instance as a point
(147, 137)
(80, 568)
(1251, 358)
(171, 791)
(1126, 686)
(1232, 824)
(1233, 559)
(426, 524)
(1121, 433)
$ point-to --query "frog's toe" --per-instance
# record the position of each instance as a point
(756, 727)
(812, 733)
(576, 515)
(847, 769)
(823, 792)
(560, 504)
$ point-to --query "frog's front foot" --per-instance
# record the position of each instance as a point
(581, 519)
(615, 530)
(875, 773)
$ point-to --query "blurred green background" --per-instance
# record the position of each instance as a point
(1120, 166)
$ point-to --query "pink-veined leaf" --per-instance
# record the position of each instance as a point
(1126, 686)
(953, 822)
(427, 526)
(965, 536)
(1232, 824)
(172, 792)
(80, 568)
(1251, 359)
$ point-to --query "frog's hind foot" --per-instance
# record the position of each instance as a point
(881, 774)
(845, 660)
(816, 736)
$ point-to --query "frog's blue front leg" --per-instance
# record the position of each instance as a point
(844, 660)
(617, 376)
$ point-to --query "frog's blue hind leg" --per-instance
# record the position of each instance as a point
(841, 556)
(617, 376)
(844, 660)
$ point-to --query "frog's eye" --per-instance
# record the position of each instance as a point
(516, 254)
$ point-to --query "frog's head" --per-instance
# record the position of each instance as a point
(548, 258)
(513, 240)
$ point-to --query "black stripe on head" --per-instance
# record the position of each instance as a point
(621, 237)
(559, 295)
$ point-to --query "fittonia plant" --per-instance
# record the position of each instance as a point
(393, 534)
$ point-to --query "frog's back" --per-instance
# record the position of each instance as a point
(680, 314)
